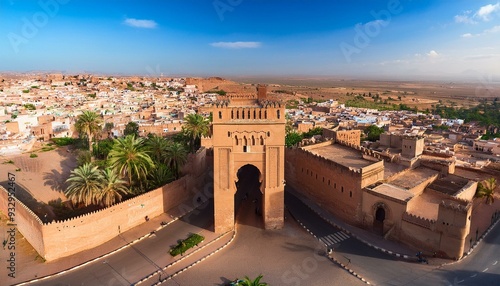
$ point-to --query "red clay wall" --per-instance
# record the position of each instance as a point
(63, 238)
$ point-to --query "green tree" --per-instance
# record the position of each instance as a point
(30, 106)
(486, 189)
(160, 176)
(292, 139)
(108, 126)
(373, 132)
(176, 157)
(157, 148)
(112, 188)
(132, 128)
(289, 123)
(84, 184)
(88, 123)
(129, 157)
(195, 127)
(102, 148)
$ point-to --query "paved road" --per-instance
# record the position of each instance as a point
(133, 263)
(285, 257)
(481, 268)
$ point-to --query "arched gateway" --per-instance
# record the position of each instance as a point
(248, 130)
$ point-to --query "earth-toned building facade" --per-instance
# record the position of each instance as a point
(248, 130)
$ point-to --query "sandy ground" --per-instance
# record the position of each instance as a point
(43, 177)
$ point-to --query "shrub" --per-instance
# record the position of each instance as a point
(33, 155)
(183, 245)
(64, 141)
(8, 162)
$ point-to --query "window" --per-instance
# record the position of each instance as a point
(342, 189)
(278, 114)
(220, 114)
(245, 149)
(328, 182)
(350, 194)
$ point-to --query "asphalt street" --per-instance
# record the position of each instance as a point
(136, 262)
(480, 268)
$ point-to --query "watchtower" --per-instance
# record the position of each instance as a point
(249, 130)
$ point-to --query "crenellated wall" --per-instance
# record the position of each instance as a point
(331, 185)
(63, 238)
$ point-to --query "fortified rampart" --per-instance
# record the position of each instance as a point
(331, 185)
(63, 238)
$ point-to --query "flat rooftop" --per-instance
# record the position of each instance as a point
(449, 185)
(413, 178)
(393, 192)
(426, 205)
(342, 155)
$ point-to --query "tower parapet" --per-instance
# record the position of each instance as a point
(248, 108)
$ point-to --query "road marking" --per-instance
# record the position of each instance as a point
(472, 276)
(485, 270)
(334, 238)
(495, 263)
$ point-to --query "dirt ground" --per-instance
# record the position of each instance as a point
(41, 179)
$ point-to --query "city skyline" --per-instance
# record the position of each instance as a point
(420, 40)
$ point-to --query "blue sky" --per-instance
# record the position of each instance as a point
(390, 39)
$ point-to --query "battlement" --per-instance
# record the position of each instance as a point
(225, 110)
(364, 150)
(417, 220)
(456, 204)
(23, 206)
(327, 161)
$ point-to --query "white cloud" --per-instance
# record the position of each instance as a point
(486, 12)
(495, 29)
(236, 45)
(432, 54)
(148, 24)
(464, 18)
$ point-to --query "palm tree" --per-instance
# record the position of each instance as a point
(195, 127)
(157, 148)
(160, 176)
(84, 183)
(130, 158)
(88, 123)
(248, 282)
(112, 188)
(486, 189)
(176, 157)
